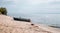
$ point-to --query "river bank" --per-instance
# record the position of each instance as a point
(8, 25)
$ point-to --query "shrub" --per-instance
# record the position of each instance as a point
(3, 11)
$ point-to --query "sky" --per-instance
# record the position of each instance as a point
(31, 6)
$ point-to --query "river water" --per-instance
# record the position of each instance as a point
(49, 19)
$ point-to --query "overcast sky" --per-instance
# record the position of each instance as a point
(31, 6)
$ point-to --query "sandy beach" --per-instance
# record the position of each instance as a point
(8, 25)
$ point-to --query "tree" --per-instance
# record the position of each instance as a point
(3, 11)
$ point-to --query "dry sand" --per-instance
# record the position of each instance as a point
(8, 25)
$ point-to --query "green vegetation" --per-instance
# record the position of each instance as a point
(3, 11)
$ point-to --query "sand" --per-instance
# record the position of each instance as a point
(8, 25)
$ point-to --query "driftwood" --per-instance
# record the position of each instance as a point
(55, 26)
(22, 19)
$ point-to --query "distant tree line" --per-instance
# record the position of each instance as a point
(3, 11)
(21, 19)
